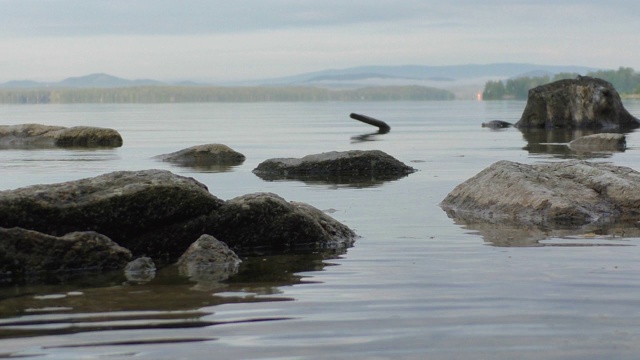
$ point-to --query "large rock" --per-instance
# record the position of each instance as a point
(584, 102)
(31, 253)
(205, 156)
(36, 135)
(558, 194)
(159, 214)
(152, 212)
(354, 165)
(267, 222)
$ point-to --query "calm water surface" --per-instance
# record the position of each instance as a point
(416, 285)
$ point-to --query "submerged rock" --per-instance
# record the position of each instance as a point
(267, 222)
(153, 212)
(584, 102)
(36, 135)
(497, 124)
(27, 252)
(561, 193)
(599, 142)
(140, 270)
(208, 262)
(205, 155)
(354, 165)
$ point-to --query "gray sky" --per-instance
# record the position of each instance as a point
(250, 39)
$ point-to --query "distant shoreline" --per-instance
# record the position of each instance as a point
(186, 94)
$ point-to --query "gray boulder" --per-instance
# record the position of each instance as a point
(36, 135)
(599, 142)
(152, 212)
(266, 222)
(551, 194)
(208, 262)
(351, 164)
(140, 270)
(31, 253)
(205, 155)
(584, 102)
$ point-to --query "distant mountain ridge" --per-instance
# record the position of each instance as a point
(424, 72)
(348, 77)
(99, 80)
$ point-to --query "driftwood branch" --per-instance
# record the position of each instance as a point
(382, 126)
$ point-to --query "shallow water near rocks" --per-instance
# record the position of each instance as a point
(416, 284)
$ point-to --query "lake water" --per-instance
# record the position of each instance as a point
(416, 285)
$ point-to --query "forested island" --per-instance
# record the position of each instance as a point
(185, 94)
(625, 80)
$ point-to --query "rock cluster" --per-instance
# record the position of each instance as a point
(154, 213)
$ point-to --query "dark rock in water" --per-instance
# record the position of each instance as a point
(140, 270)
(158, 214)
(152, 212)
(208, 262)
(28, 253)
(205, 156)
(497, 124)
(584, 102)
(267, 222)
(355, 163)
(599, 142)
(552, 194)
(36, 135)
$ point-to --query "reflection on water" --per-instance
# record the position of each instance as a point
(521, 235)
(368, 136)
(335, 181)
(207, 168)
(110, 302)
(555, 142)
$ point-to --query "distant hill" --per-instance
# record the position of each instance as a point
(87, 81)
(421, 72)
(361, 76)
(464, 81)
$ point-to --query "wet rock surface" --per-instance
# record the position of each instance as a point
(158, 214)
(152, 212)
(208, 261)
(584, 102)
(37, 135)
(140, 270)
(31, 253)
(267, 222)
(209, 155)
(335, 166)
(599, 142)
(567, 193)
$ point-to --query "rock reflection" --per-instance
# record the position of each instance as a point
(555, 142)
(166, 301)
(367, 137)
(337, 181)
(519, 235)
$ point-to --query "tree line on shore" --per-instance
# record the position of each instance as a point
(624, 80)
(183, 94)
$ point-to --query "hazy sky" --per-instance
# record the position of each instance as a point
(249, 39)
